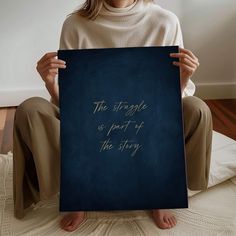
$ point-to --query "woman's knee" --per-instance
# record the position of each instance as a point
(31, 106)
(195, 106)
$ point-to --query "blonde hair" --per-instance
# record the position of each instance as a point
(91, 8)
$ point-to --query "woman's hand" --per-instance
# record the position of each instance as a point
(188, 64)
(48, 67)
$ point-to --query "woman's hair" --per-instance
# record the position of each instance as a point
(91, 8)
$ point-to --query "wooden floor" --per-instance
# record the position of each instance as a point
(223, 114)
(6, 129)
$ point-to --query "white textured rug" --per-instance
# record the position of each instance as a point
(210, 213)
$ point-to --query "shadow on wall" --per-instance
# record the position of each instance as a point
(210, 32)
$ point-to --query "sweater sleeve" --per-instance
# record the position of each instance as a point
(68, 38)
(67, 41)
(178, 40)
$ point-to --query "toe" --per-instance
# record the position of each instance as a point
(66, 222)
(173, 220)
(171, 224)
(69, 223)
(163, 223)
(166, 220)
(70, 228)
(73, 225)
(63, 222)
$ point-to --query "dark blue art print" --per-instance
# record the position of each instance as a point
(122, 142)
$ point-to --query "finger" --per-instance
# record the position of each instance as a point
(53, 71)
(55, 60)
(183, 56)
(47, 56)
(51, 61)
(188, 52)
(43, 68)
(184, 66)
(46, 68)
(186, 62)
(50, 69)
(53, 66)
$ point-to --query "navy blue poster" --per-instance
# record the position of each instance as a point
(122, 142)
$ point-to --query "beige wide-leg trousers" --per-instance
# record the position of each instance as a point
(36, 149)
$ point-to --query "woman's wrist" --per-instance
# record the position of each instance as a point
(183, 86)
(53, 91)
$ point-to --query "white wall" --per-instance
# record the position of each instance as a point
(174, 6)
(31, 28)
(28, 29)
(209, 29)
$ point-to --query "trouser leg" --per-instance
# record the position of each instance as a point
(36, 154)
(198, 141)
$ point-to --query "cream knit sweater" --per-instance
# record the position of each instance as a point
(138, 25)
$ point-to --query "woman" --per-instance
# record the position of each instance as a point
(104, 24)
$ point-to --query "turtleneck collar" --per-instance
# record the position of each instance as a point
(109, 10)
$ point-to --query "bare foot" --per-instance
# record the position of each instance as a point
(164, 219)
(71, 221)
